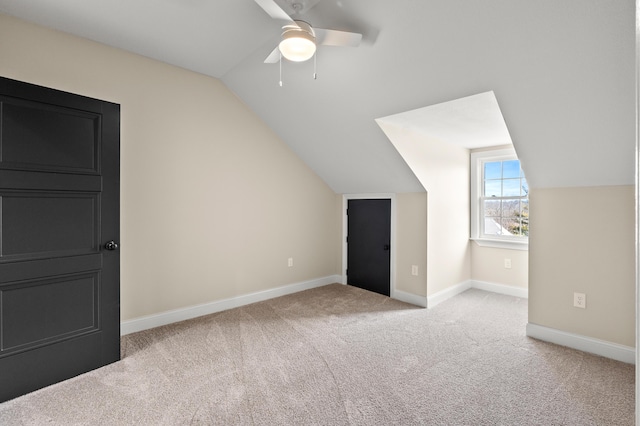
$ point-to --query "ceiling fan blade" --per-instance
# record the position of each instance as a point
(336, 38)
(273, 57)
(273, 10)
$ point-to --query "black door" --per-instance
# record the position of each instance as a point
(369, 244)
(59, 206)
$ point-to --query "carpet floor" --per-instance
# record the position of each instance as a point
(338, 355)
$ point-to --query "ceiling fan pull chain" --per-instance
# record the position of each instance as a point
(281, 70)
(315, 67)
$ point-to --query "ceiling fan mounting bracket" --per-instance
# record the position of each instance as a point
(297, 7)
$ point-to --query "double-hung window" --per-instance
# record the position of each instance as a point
(500, 200)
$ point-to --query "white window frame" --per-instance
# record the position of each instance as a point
(477, 159)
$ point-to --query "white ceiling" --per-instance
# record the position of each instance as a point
(471, 122)
(563, 74)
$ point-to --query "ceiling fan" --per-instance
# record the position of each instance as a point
(299, 38)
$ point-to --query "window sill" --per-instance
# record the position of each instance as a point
(509, 245)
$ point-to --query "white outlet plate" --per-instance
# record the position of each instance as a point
(580, 300)
(414, 270)
(290, 262)
(507, 263)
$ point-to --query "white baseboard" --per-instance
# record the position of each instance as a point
(454, 290)
(168, 317)
(582, 343)
(410, 298)
(447, 293)
(501, 288)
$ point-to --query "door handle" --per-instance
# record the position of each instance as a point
(111, 245)
(386, 247)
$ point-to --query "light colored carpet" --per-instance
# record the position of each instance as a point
(338, 355)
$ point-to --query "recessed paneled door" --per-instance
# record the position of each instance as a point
(59, 230)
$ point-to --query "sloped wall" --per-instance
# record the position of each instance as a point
(212, 202)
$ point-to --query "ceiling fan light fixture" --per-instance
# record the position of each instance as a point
(298, 43)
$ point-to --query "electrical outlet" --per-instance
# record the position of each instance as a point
(290, 262)
(414, 270)
(507, 264)
(580, 300)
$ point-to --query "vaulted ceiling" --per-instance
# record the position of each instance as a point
(563, 74)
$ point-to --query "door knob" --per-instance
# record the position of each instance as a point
(386, 247)
(111, 245)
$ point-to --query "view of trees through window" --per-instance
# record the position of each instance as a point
(505, 199)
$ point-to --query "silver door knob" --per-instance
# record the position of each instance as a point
(111, 245)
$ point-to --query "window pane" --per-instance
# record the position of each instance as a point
(492, 226)
(493, 170)
(511, 218)
(504, 204)
(511, 188)
(516, 217)
(493, 188)
(508, 226)
(524, 217)
(492, 208)
(511, 169)
(510, 208)
(517, 228)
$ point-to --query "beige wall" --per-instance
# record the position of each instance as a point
(487, 264)
(582, 240)
(212, 202)
(446, 179)
(411, 242)
(443, 170)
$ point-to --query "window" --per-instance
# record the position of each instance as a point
(500, 200)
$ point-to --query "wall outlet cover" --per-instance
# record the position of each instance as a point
(580, 300)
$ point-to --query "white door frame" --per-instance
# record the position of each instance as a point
(392, 261)
(637, 183)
